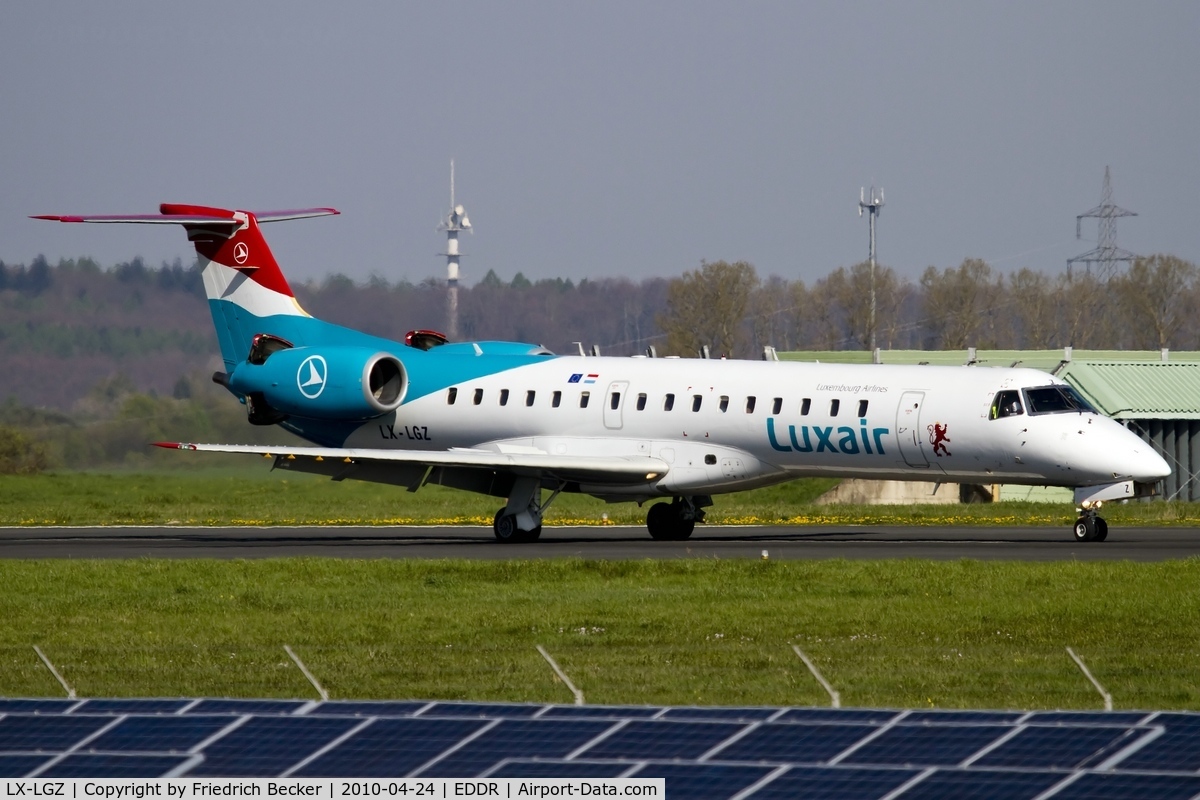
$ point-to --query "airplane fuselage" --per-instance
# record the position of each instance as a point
(725, 425)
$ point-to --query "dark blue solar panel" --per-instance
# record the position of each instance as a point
(794, 742)
(703, 781)
(867, 715)
(47, 733)
(833, 783)
(947, 717)
(112, 766)
(1058, 747)
(927, 746)
(482, 710)
(517, 739)
(979, 784)
(267, 746)
(18, 766)
(131, 706)
(661, 740)
(1141, 787)
(39, 706)
(391, 747)
(1176, 749)
(356, 708)
(611, 712)
(161, 734)
(1088, 717)
(559, 769)
(246, 707)
(748, 714)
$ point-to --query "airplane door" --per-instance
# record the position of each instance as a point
(614, 401)
(908, 429)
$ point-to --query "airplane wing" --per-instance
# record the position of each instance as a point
(458, 467)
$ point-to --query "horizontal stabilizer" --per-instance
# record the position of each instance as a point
(190, 219)
(592, 469)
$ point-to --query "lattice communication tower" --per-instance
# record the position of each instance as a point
(1106, 255)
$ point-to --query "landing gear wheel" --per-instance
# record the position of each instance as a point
(659, 521)
(665, 522)
(1101, 530)
(1085, 529)
(505, 527)
(506, 530)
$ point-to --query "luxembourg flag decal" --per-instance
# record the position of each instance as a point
(591, 378)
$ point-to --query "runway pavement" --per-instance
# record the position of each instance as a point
(607, 542)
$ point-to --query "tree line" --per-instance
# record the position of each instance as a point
(65, 327)
(729, 309)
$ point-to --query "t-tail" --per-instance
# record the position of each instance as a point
(241, 277)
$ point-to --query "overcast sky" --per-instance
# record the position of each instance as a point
(604, 139)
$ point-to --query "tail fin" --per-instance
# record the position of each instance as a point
(241, 277)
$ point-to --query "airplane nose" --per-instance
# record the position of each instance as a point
(1148, 466)
(1109, 451)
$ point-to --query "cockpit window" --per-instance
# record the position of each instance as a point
(1056, 400)
(1007, 404)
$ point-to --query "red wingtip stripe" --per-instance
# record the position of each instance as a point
(57, 218)
(170, 445)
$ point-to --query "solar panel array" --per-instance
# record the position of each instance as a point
(701, 752)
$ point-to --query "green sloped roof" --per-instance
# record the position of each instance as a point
(1138, 390)
(1047, 360)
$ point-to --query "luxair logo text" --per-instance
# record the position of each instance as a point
(844, 439)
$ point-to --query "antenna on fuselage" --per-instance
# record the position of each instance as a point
(456, 221)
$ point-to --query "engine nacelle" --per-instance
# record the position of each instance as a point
(348, 383)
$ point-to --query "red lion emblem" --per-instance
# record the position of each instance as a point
(937, 435)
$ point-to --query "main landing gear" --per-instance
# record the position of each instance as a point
(521, 520)
(676, 520)
(1090, 527)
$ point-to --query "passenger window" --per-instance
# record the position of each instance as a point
(556, 399)
(668, 402)
(724, 404)
(750, 404)
(1006, 404)
(478, 396)
(805, 405)
(777, 405)
(583, 399)
(529, 396)
(641, 403)
(504, 397)
(614, 402)
(834, 405)
(862, 408)
(451, 396)
(696, 401)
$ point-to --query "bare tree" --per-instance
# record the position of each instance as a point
(958, 303)
(1035, 310)
(707, 307)
(1155, 299)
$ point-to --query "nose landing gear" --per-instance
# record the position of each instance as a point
(1090, 527)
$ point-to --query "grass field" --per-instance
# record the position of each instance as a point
(258, 496)
(902, 633)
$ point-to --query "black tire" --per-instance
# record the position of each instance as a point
(683, 529)
(505, 527)
(1085, 529)
(660, 521)
(1101, 530)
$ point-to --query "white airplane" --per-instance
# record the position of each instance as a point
(516, 421)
